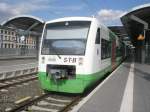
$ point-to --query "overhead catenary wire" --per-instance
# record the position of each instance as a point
(89, 7)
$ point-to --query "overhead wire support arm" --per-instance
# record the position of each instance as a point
(32, 26)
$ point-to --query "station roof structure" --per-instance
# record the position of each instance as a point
(136, 21)
(119, 31)
(25, 22)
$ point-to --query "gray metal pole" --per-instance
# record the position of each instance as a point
(143, 48)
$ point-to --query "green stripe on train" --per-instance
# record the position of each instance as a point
(76, 85)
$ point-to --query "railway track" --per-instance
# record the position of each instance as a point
(46, 103)
(17, 80)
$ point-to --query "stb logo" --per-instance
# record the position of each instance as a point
(70, 60)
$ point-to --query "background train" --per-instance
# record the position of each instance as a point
(75, 52)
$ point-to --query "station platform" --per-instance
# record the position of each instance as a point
(11, 62)
(17, 64)
(17, 67)
(16, 57)
(127, 89)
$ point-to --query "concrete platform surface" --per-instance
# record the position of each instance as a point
(17, 64)
(127, 89)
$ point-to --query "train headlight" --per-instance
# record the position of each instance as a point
(43, 60)
(81, 61)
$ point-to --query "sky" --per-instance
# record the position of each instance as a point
(108, 11)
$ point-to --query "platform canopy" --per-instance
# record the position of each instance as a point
(137, 22)
(25, 22)
(119, 31)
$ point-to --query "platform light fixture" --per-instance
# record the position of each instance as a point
(140, 37)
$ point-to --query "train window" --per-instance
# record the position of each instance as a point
(105, 49)
(97, 41)
(65, 38)
(67, 30)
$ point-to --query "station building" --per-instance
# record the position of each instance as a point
(10, 38)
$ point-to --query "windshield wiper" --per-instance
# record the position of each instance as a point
(56, 52)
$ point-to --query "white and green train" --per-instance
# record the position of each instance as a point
(75, 52)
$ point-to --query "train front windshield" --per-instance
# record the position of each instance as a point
(65, 38)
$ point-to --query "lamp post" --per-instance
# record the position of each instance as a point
(143, 48)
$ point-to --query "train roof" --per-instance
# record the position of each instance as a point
(78, 19)
(71, 19)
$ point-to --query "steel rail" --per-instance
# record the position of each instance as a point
(18, 82)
